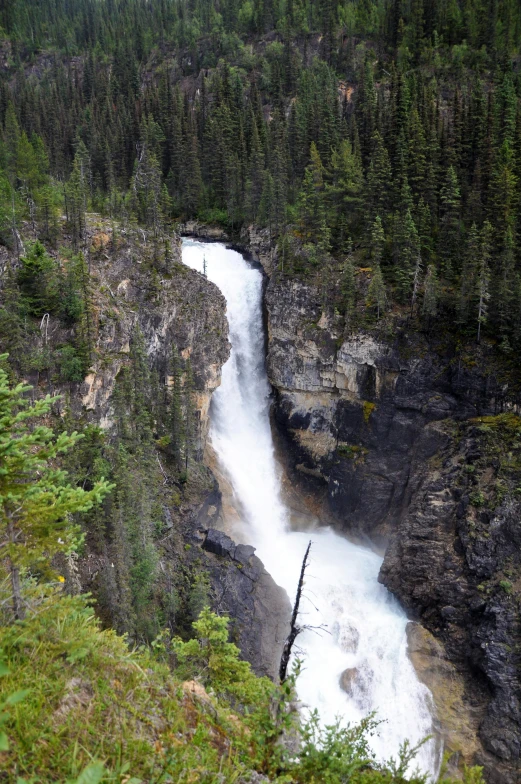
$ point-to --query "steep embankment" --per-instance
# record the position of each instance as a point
(185, 310)
(378, 429)
(154, 325)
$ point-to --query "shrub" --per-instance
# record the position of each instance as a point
(70, 363)
(39, 281)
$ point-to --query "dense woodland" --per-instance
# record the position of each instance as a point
(385, 134)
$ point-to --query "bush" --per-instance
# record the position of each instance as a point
(70, 364)
(39, 281)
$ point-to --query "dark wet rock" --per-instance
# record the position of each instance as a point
(347, 679)
(218, 543)
(241, 588)
(380, 434)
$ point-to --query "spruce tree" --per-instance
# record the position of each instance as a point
(430, 293)
(348, 288)
(343, 189)
(36, 500)
(311, 206)
(483, 276)
(379, 180)
(406, 253)
(468, 274)
(449, 235)
(376, 292)
(377, 241)
(505, 290)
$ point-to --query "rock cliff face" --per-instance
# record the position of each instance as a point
(372, 425)
(169, 305)
(455, 562)
(182, 308)
(259, 608)
(177, 307)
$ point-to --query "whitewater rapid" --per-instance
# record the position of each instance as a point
(364, 634)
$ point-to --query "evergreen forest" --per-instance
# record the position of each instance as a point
(390, 129)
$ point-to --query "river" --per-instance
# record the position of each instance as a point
(361, 628)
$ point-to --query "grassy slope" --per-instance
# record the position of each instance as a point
(91, 697)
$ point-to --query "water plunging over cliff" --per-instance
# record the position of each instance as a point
(365, 645)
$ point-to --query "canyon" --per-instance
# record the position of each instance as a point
(394, 439)
(403, 441)
(387, 435)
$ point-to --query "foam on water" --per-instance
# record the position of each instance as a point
(365, 625)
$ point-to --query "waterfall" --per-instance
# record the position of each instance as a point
(362, 639)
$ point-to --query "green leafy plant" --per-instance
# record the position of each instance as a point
(36, 500)
(12, 699)
(506, 585)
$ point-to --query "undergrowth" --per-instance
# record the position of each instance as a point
(78, 705)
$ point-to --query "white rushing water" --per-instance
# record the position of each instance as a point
(365, 625)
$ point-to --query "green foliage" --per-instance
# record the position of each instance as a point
(91, 697)
(39, 281)
(214, 661)
(506, 585)
(199, 593)
(419, 165)
(477, 498)
(368, 409)
(376, 292)
(70, 364)
(11, 699)
(35, 496)
(429, 139)
(76, 694)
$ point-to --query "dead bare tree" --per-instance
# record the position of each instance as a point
(295, 629)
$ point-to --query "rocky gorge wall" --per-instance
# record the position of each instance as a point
(168, 305)
(394, 437)
(378, 431)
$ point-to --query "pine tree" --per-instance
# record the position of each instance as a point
(12, 331)
(348, 288)
(430, 293)
(11, 141)
(406, 253)
(147, 191)
(505, 290)
(376, 291)
(502, 197)
(76, 194)
(468, 275)
(35, 496)
(256, 171)
(483, 276)
(418, 268)
(377, 241)
(417, 154)
(379, 180)
(192, 184)
(343, 189)
(311, 205)
(266, 215)
(449, 236)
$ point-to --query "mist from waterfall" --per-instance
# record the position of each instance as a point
(363, 640)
